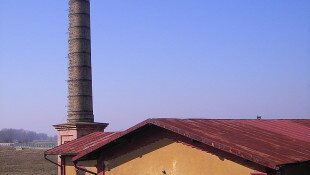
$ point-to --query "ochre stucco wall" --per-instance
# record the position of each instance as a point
(89, 165)
(166, 157)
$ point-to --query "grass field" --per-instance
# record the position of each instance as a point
(25, 162)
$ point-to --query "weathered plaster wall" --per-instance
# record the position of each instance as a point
(69, 167)
(89, 165)
(166, 157)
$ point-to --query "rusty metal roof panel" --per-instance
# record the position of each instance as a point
(78, 145)
(265, 142)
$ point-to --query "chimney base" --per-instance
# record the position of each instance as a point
(70, 131)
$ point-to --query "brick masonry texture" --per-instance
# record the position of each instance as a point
(80, 105)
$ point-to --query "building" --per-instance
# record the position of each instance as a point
(192, 147)
(6, 144)
(167, 146)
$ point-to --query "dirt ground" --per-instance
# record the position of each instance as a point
(25, 162)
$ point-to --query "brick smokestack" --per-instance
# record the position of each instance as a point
(80, 118)
(80, 102)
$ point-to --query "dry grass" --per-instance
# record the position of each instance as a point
(25, 162)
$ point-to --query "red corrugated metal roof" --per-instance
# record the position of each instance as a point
(266, 142)
(81, 144)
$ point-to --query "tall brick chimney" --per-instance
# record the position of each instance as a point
(80, 103)
(80, 118)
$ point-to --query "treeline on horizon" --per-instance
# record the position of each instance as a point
(9, 135)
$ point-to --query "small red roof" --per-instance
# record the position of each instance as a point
(81, 144)
(266, 142)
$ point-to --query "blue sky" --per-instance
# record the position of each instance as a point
(163, 58)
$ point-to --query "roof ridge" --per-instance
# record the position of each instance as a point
(266, 119)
